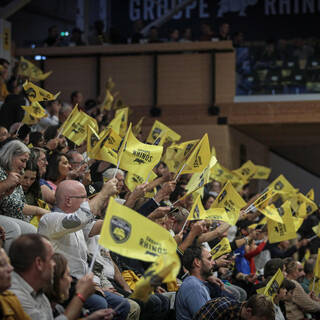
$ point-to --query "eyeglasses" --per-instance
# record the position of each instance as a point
(79, 163)
(79, 197)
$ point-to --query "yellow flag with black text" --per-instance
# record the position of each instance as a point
(157, 128)
(132, 235)
(274, 285)
(246, 171)
(35, 93)
(278, 231)
(30, 70)
(231, 201)
(163, 270)
(283, 186)
(138, 157)
(133, 180)
(35, 111)
(310, 194)
(123, 115)
(262, 173)
(220, 248)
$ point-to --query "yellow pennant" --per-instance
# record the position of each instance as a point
(156, 130)
(283, 186)
(138, 157)
(199, 158)
(130, 234)
(311, 206)
(178, 153)
(246, 171)
(310, 194)
(278, 231)
(220, 248)
(199, 179)
(35, 93)
(28, 69)
(138, 127)
(231, 201)
(163, 270)
(133, 180)
(274, 285)
(35, 110)
(262, 173)
(123, 115)
(76, 128)
(107, 102)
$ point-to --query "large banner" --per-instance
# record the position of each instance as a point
(257, 19)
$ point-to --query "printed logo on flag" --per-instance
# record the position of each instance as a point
(120, 229)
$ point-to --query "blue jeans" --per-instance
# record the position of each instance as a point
(96, 302)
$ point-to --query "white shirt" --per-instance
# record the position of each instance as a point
(68, 233)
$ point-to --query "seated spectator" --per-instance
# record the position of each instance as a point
(10, 306)
(57, 292)
(30, 183)
(153, 35)
(52, 110)
(76, 99)
(187, 35)
(57, 171)
(68, 227)
(206, 32)
(38, 156)
(257, 307)
(308, 270)
(4, 134)
(54, 141)
(64, 112)
(13, 207)
(36, 139)
(31, 256)
(301, 302)
(109, 174)
(174, 35)
(224, 31)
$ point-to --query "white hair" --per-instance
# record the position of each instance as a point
(9, 151)
(109, 173)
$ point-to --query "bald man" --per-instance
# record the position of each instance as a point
(68, 227)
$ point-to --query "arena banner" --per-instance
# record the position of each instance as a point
(257, 19)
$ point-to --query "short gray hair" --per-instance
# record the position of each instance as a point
(9, 151)
(109, 173)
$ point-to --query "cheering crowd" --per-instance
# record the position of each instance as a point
(55, 189)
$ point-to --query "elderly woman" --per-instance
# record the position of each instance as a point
(38, 156)
(301, 302)
(13, 208)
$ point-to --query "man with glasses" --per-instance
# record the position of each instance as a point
(70, 224)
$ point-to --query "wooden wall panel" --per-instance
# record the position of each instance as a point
(225, 78)
(132, 76)
(184, 79)
(70, 74)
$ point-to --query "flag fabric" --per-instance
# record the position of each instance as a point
(138, 157)
(315, 284)
(156, 130)
(76, 128)
(274, 285)
(246, 171)
(283, 186)
(115, 123)
(199, 158)
(178, 153)
(28, 69)
(73, 113)
(231, 201)
(306, 257)
(92, 140)
(133, 180)
(316, 230)
(310, 194)
(130, 234)
(138, 127)
(35, 93)
(262, 222)
(199, 179)
(33, 113)
(123, 115)
(220, 248)
(262, 173)
(272, 213)
(197, 211)
(107, 102)
(35, 219)
(311, 206)
(163, 270)
(263, 200)
(278, 231)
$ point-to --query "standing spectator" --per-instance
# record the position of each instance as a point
(99, 36)
(76, 38)
(154, 36)
(137, 37)
(224, 31)
(206, 32)
(76, 98)
(53, 39)
(187, 35)
(174, 35)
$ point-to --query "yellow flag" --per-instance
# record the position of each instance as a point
(316, 270)
(199, 179)
(199, 158)
(178, 153)
(35, 93)
(28, 69)
(311, 206)
(261, 223)
(262, 173)
(306, 257)
(271, 213)
(231, 201)
(138, 157)
(282, 185)
(246, 171)
(277, 231)
(263, 200)
(274, 285)
(297, 223)
(76, 128)
(123, 114)
(156, 130)
(163, 270)
(73, 113)
(130, 234)
(35, 219)
(315, 284)
(29, 119)
(197, 211)
(138, 127)
(92, 140)
(220, 248)
(316, 230)
(115, 123)
(310, 194)
(133, 180)
(35, 110)
(107, 102)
